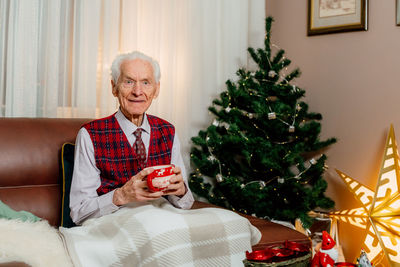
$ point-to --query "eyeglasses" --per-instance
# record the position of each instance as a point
(130, 84)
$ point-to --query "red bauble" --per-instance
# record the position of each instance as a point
(259, 255)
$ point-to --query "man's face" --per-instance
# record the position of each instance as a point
(136, 88)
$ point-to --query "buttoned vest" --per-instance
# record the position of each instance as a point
(116, 159)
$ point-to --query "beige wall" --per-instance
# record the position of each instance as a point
(353, 80)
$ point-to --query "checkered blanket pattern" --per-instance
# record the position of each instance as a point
(157, 234)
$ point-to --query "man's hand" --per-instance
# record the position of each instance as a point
(135, 190)
(177, 186)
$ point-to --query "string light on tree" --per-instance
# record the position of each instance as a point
(255, 137)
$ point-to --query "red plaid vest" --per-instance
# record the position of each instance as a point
(116, 159)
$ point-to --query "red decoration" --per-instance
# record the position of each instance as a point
(325, 257)
(296, 246)
(159, 179)
(286, 250)
(327, 241)
(345, 264)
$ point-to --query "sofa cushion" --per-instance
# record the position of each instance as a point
(67, 167)
(8, 213)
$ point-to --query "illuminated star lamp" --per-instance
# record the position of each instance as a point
(379, 215)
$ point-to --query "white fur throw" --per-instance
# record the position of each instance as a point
(35, 243)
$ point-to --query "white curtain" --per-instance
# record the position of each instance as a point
(55, 55)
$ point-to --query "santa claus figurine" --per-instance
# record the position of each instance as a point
(327, 254)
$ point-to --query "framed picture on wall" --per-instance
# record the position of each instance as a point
(398, 12)
(333, 16)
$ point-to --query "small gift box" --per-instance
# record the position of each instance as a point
(159, 179)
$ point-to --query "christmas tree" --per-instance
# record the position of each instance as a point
(262, 153)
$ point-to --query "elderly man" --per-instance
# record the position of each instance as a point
(112, 153)
(112, 157)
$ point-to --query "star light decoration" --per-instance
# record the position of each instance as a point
(379, 215)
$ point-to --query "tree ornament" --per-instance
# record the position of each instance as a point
(219, 178)
(225, 125)
(378, 216)
(251, 115)
(313, 161)
(211, 158)
(262, 184)
(291, 129)
(271, 115)
(215, 123)
(228, 109)
(293, 169)
(271, 74)
(281, 180)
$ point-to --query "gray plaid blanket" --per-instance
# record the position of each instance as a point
(157, 234)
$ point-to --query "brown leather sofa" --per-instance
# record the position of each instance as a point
(30, 153)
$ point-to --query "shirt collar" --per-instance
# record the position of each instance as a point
(128, 127)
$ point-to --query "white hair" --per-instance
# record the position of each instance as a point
(116, 65)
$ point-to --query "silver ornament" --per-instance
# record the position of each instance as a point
(225, 125)
(271, 73)
(211, 158)
(271, 115)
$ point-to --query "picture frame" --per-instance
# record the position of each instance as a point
(334, 16)
(398, 12)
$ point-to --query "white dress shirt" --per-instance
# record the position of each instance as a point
(85, 203)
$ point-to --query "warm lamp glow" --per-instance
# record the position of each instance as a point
(380, 211)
